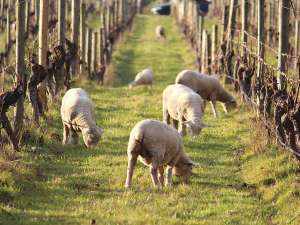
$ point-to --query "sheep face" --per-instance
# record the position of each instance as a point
(132, 84)
(183, 168)
(194, 126)
(229, 105)
(92, 136)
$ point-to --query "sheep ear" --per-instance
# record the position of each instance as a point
(191, 163)
(233, 100)
(88, 131)
(102, 131)
(204, 124)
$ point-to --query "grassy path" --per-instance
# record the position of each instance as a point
(73, 186)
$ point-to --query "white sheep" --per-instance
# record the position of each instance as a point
(160, 32)
(184, 106)
(156, 145)
(77, 112)
(209, 88)
(144, 77)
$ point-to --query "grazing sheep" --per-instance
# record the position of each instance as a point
(184, 106)
(160, 32)
(157, 144)
(77, 112)
(209, 88)
(144, 77)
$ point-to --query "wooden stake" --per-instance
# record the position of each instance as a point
(27, 19)
(82, 39)
(260, 47)
(109, 7)
(283, 47)
(231, 25)
(8, 37)
(269, 38)
(94, 47)
(224, 21)
(62, 31)
(214, 50)
(37, 11)
(43, 35)
(102, 62)
(203, 57)
(296, 47)
(20, 50)
(75, 30)
(2, 13)
(88, 50)
(244, 24)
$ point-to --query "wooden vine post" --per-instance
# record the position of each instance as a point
(20, 50)
(37, 11)
(43, 35)
(214, 50)
(2, 12)
(231, 25)
(269, 22)
(244, 24)
(82, 39)
(8, 37)
(94, 56)
(296, 47)
(230, 32)
(225, 16)
(109, 9)
(204, 52)
(88, 50)
(283, 47)
(27, 19)
(260, 47)
(105, 45)
(113, 15)
(200, 38)
(61, 31)
(102, 62)
(75, 30)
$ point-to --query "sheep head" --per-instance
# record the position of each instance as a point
(194, 126)
(183, 167)
(132, 84)
(92, 136)
(229, 105)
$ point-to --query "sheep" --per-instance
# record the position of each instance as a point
(156, 145)
(209, 88)
(77, 112)
(144, 77)
(184, 106)
(160, 32)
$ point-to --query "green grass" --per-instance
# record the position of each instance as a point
(74, 185)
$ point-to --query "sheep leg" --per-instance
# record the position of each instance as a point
(169, 175)
(213, 105)
(66, 134)
(153, 170)
(175, 123)
(182, 128)
(73, 140)
(161, 175)
(166, 116)
(131, 164)
(169, 169)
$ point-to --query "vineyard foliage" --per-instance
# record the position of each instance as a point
(239, 177)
